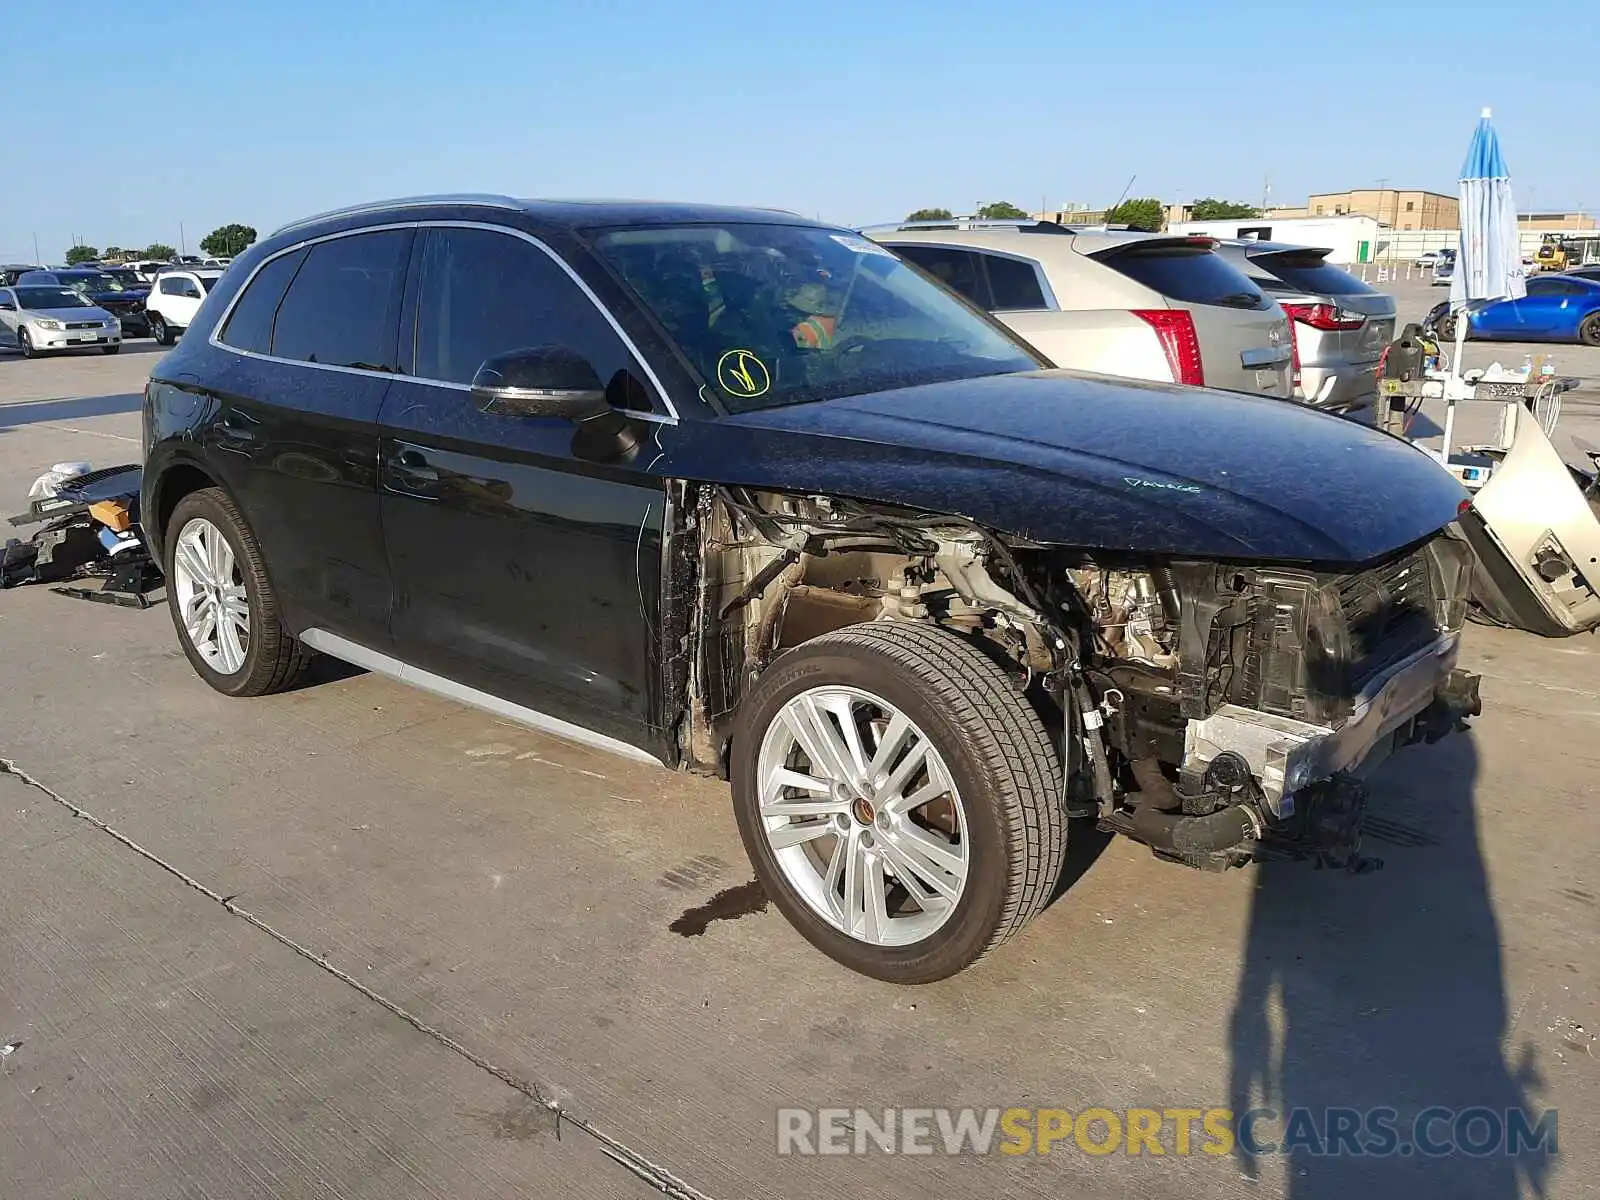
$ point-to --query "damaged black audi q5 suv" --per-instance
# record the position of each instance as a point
(744, 494)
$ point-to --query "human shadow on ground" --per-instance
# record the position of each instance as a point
(1385, 990)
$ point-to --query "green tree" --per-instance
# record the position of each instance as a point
(1001, 210)
(1144, 213)
(930, 214)
(228, 240)
(1211, 209)
(81, 254)
(115, 253)
(159, 250)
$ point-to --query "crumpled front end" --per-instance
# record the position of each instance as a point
(1288, 686)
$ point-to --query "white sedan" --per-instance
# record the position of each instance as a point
(44, 318)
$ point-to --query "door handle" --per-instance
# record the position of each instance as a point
(412, 466)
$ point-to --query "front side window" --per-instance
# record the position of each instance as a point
(481, 293)
(342, 308)
(780, 314)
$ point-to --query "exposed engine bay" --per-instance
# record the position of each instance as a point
(1218, 712)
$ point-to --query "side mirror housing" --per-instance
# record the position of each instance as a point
(540, 381)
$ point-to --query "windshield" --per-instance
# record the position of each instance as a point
(779, 314)
(98, 282)
(50, 297)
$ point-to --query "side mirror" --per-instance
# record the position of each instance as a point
(540, 381)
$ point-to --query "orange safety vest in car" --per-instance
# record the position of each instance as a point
(815, 333)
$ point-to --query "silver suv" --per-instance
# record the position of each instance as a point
(1118, 303)
(1340, 325)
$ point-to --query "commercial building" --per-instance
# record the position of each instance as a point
(1398, 208)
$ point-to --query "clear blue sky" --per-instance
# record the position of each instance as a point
(262, 111)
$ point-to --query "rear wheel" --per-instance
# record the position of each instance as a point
(898, 799)
(160, 331)
(222, 603)
(1589, 330)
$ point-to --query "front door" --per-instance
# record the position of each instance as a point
(8, 317)
(520, 567)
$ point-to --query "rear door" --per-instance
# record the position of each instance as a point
(1243, 335)
(295, 428)
(523, 566)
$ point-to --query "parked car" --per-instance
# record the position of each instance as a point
(175, 297)
(1119, 303)
(1428, 259)
(1557, 308)
(218, 262)
(99, 288)
(1444, 268)
(1590, 271)
(742, 493)
(11, 272)
(1339, 325)
(41, 318)
(147, 268)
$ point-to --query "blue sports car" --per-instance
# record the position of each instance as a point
(1557, 308)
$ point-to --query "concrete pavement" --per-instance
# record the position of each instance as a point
(437, 926)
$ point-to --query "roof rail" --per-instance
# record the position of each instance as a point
(484, 201)
(1019, 224)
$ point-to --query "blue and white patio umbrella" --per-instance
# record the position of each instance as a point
(1489, 262)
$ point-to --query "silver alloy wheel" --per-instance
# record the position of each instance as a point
(212, 602)
(862, 815)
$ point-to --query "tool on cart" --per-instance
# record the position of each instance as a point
(90, 521)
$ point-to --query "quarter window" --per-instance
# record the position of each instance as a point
(1013, 283)
(342, 307)
(481, 293)
(250, 326)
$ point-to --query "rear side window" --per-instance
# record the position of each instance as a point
(1188, 274)
(250, 326)
(482, 293)
(1312, 273)
(958, 270)
(1013, 283)
(343, 305)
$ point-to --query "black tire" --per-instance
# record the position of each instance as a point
(26, 344)
(998, 752)
(1446, 328)
(1589, 330)
(110, 349)
(160, 330)
(274, 660)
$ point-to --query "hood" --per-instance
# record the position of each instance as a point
(1092, 462)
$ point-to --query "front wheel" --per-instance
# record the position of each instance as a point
(25, 344)
(898, 799)
(1447, 327)
(222, 603)
(1589, 330)
(110, 349)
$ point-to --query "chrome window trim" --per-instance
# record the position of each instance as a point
(440, 685)
(215, 338)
